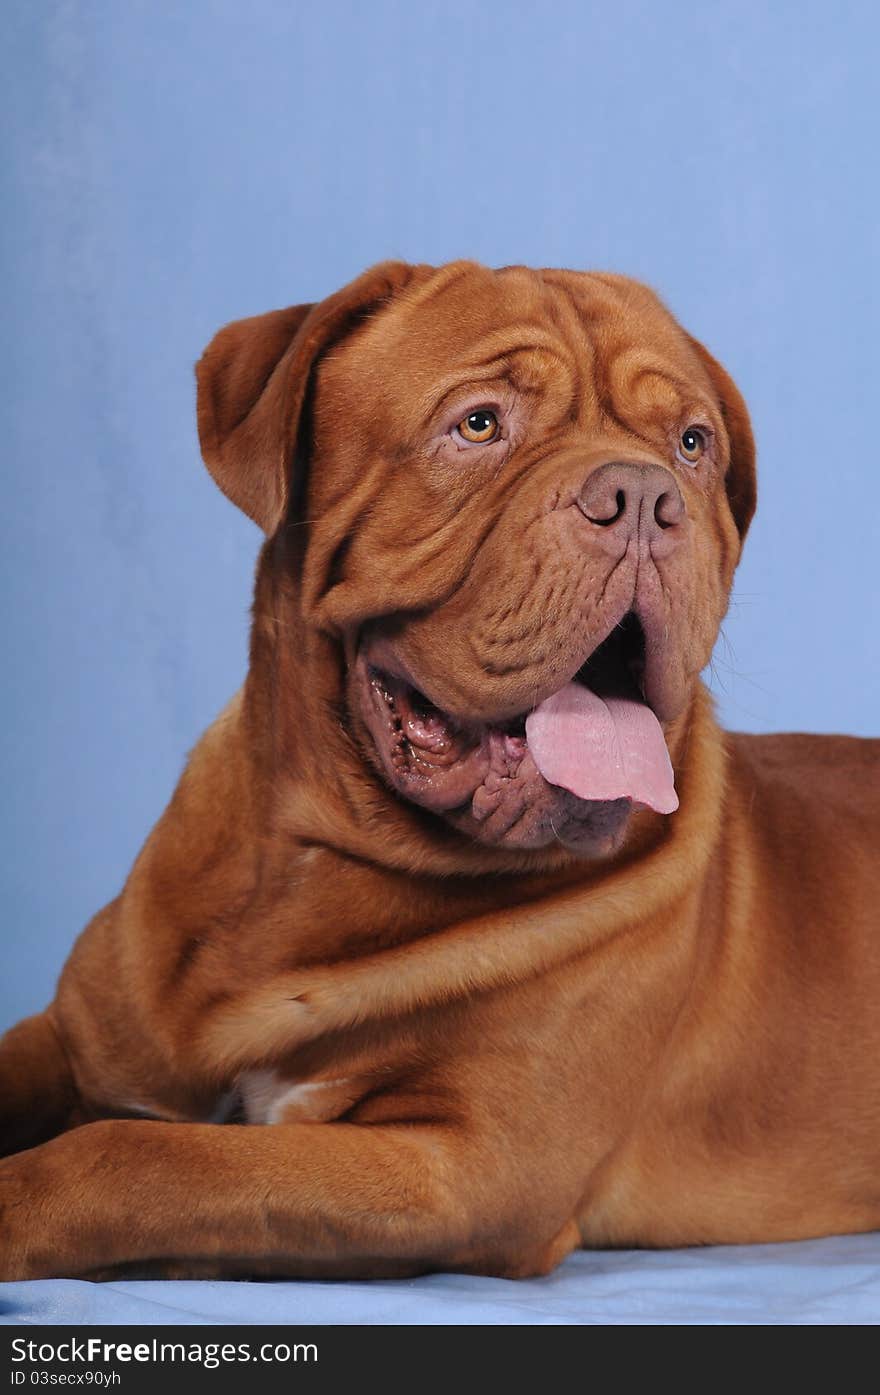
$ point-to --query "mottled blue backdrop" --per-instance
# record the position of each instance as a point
(172, 166)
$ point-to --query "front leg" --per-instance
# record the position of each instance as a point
(38, 1094)
(321, 1200)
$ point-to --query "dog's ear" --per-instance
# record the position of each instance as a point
(742, 485)
(252, 381)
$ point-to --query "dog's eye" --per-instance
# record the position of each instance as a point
(478, 427)
(692, 444)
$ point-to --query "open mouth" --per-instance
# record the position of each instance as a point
(429, 751)
(427, 735)
(617, 667)
(595, 741)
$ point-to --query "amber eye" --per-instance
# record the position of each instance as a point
(479, 427)
(692, 444)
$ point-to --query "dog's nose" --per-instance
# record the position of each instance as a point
(633, 501)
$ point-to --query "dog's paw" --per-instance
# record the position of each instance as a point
(19, 1223)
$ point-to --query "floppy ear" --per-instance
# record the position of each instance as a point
(251, 386)
(742, 485)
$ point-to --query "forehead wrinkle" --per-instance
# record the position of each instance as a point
(420, 293)
(661, 386)
(609, 310)
(497, 361)
(520, 338)
(584, 304)
(495, 371)
(575, 323)
(637, 411)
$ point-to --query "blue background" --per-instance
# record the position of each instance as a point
(172, 166)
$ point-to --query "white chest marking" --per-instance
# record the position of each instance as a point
(269, 1098)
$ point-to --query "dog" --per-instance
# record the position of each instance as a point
(468, 937)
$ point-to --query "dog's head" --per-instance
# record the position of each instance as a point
(513, 501)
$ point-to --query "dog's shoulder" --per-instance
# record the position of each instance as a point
(787, 754)
(826, 778)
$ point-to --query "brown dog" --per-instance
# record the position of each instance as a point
(421, 901)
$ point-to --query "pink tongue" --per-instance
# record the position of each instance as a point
(602, 748)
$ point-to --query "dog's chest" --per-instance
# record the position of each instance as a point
(268, 1097)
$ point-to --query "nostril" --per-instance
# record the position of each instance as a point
(668, 510)
(620, 510)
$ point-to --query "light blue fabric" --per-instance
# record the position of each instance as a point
(836, 1280)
